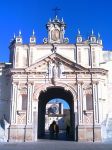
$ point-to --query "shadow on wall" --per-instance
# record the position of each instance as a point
(106, 129)
(4, 125)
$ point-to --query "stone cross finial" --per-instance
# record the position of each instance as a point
(33, 32)
(92, 32)
(62, 19)
(14, 35)
(78, 32)
(98, 35)
(49, 19)
(19, 32)
(56, 10)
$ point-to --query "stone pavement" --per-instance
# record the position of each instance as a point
(55, 145)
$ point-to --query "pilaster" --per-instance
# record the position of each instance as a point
(14, 102)
(80, 101)
(29, 103)
(95, 99)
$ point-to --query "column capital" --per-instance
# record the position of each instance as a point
(30, 83)
(94, 82)
(15, 83)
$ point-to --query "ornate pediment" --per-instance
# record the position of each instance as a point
(53, 62)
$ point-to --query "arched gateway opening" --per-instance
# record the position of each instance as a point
(45, 97)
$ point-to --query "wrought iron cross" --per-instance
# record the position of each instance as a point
(56, 10)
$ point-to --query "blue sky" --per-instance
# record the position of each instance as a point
(34, 14)
(58, 100)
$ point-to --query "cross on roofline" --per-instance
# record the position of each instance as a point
(56, 10)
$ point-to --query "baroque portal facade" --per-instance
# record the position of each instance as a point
(38, 73)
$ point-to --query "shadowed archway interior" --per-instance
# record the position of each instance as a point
(45, 97)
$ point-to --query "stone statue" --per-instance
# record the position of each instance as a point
(54, 71)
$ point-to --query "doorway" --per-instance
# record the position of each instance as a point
(52, 94)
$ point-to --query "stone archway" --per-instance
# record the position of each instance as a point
(52, 92)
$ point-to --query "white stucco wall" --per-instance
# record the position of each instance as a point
(84, 50)
(108, 66)
(38, 52)
(21, 56)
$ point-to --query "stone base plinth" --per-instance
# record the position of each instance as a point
(85, 133)
(20, 133)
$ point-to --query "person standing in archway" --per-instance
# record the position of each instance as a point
(51, 130)
(67, 131)
(56, 130)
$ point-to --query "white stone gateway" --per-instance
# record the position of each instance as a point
(79, 73)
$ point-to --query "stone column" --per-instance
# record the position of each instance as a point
(95, 98)
(28, 127)
(80, 102)
(29, 103)
(35, 115)
(97, 127)
(14, 97)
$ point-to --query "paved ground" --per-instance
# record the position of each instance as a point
(55, 145)
(61, 136)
